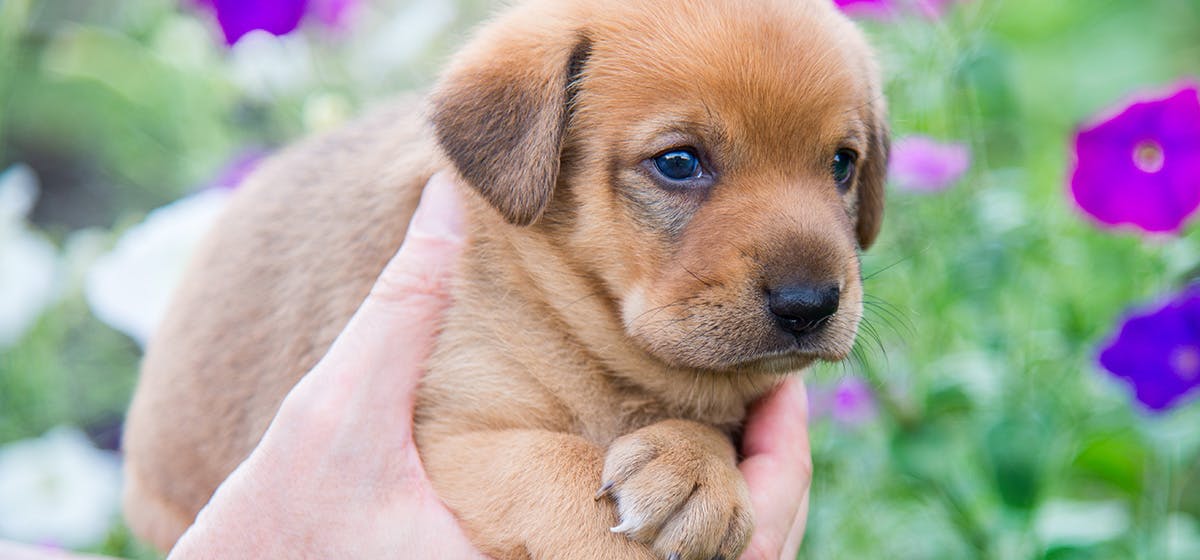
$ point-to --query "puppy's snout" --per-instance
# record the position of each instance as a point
(803, 308)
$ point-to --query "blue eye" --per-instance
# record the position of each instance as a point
(843, 168)
(678, 165)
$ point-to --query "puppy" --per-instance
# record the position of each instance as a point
(668, 203)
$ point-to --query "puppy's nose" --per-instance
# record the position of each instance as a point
(802, 309)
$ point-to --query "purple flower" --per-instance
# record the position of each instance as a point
(1142, 167)
(851, 402)
(238, 168)
(922, 164)
(888, 9)
(333, 13)
(879, 9)
(277, 17)
(1158, 352)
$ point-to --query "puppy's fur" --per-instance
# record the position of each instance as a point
(608, 325)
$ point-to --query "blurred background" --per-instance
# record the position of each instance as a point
(1025, 383)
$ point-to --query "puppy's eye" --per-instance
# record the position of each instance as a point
(843, 168)
(679, 165)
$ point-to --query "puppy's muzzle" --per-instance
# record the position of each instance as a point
(803, 308)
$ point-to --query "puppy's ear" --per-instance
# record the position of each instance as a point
(501, 111)
(874, 178)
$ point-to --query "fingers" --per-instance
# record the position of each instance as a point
(778, 470)
(791, 545)
(389, 338)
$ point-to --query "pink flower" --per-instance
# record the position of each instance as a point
(922, 164)
(879, 9)
(1142, 166)
(238, 168)
(851, 402)
(888, 9)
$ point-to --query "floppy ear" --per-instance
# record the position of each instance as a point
(501, 111)
(874, 178)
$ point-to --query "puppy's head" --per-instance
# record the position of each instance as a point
(716, 165)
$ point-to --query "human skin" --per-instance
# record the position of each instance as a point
(337, 473)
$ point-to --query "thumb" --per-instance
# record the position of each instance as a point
(423, 267)
(392, 332)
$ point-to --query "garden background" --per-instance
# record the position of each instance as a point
(977, 419)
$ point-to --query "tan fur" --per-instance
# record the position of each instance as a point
(604, 329)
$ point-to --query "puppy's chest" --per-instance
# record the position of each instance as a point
(605, 419)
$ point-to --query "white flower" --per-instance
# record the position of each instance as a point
(402, 36)
(28, 262)
(266, 66)
(130, 287)
(1069, 523)
(58, 489)
(1183, 537)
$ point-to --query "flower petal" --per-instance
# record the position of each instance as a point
(921, 164)
(239, 17)
(1113, 184)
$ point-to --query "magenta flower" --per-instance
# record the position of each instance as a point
(1158, 352)
(887, 9)
(879, 9)
(1142, 167)
(333, 13)
(238, 168)
(277, 17)
(851, 402)
(922, 164)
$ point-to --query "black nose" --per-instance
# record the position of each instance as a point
(802, 309)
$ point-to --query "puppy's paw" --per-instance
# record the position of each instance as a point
(678, 491)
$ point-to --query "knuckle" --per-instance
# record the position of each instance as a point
(406, 286)
(423, 268)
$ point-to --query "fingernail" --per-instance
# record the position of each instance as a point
(440, 213)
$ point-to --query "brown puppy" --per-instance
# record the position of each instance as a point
(671, 200)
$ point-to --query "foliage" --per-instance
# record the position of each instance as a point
(997, 434)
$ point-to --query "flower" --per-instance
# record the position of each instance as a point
(130, 287)
(1080, 524)
(265, 67)
(1158, 351)
(29, 264)
(851, 402)
(921, 164)
(881, 9)
(277, 17)
(333, 13)
(887, 9)
(58, 489)
(1142, 167)
(240, 166)
(397, 39)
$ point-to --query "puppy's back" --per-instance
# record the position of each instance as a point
(329, 212)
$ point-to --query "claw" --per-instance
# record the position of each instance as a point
(624, 527)
(603, 491)
(674, 556)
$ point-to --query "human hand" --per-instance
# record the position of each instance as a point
(778, 471)
(337, 473)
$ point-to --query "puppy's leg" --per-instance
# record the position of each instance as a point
(527, 494)
(678, 490)
(151, 516)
